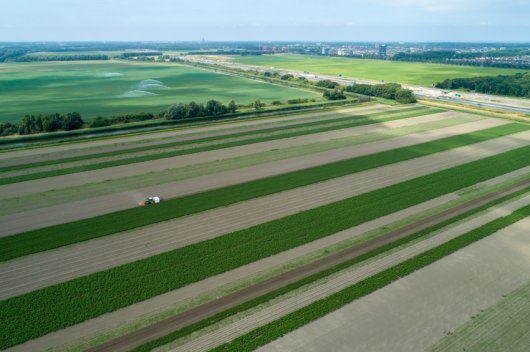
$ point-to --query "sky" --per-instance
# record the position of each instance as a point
(262, 20)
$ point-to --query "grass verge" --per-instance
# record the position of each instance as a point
(40, 312)
(60, 235)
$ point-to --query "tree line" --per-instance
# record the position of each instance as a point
(31, 124)
(517, 85)
(466, 58)
(85, 57)
(392, 91)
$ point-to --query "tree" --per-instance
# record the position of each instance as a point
(72, 121)
(405, 96)
(326, 83)
(337, 94)
(232, 106)
(214, 108)
(176, 112)
(28, 125)
(258, 105)
(287, 77)
(99, 122)
(195, 109)
(7, 128)
(52, 122)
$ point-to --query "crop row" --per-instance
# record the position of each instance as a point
(265, 298)
(39, 312)
(307, 125)
(299, 318)
(82, 230)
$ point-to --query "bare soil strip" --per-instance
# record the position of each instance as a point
(150, 138)
(179, 321)
(118, 201)
(412, 313)
(44, 269)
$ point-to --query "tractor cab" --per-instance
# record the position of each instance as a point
(151, 200)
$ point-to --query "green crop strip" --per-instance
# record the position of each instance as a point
(356, 122)
(39, 312)
(279, 292)
(82, 230)
(299, 318)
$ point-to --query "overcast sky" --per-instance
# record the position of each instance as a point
(304, 20)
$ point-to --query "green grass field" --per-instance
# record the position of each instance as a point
(390, 71)
(112, 87)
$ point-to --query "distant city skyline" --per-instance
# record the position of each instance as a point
(267, 20)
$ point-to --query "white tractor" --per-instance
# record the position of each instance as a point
(151, 200)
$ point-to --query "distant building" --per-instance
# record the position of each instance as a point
(382, 50)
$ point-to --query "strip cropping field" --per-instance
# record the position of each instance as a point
(76, 250)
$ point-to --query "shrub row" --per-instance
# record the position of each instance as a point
(39, 312)
(388, 91)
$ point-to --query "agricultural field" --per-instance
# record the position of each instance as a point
(286, 218)
(423, 74)
(104, 88)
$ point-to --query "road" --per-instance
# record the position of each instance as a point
(179, 321)
(464, 98)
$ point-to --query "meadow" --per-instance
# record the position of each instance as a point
(423, 74)
(103, 88)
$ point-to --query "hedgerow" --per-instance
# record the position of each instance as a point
(82, 230)
(39, 312)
